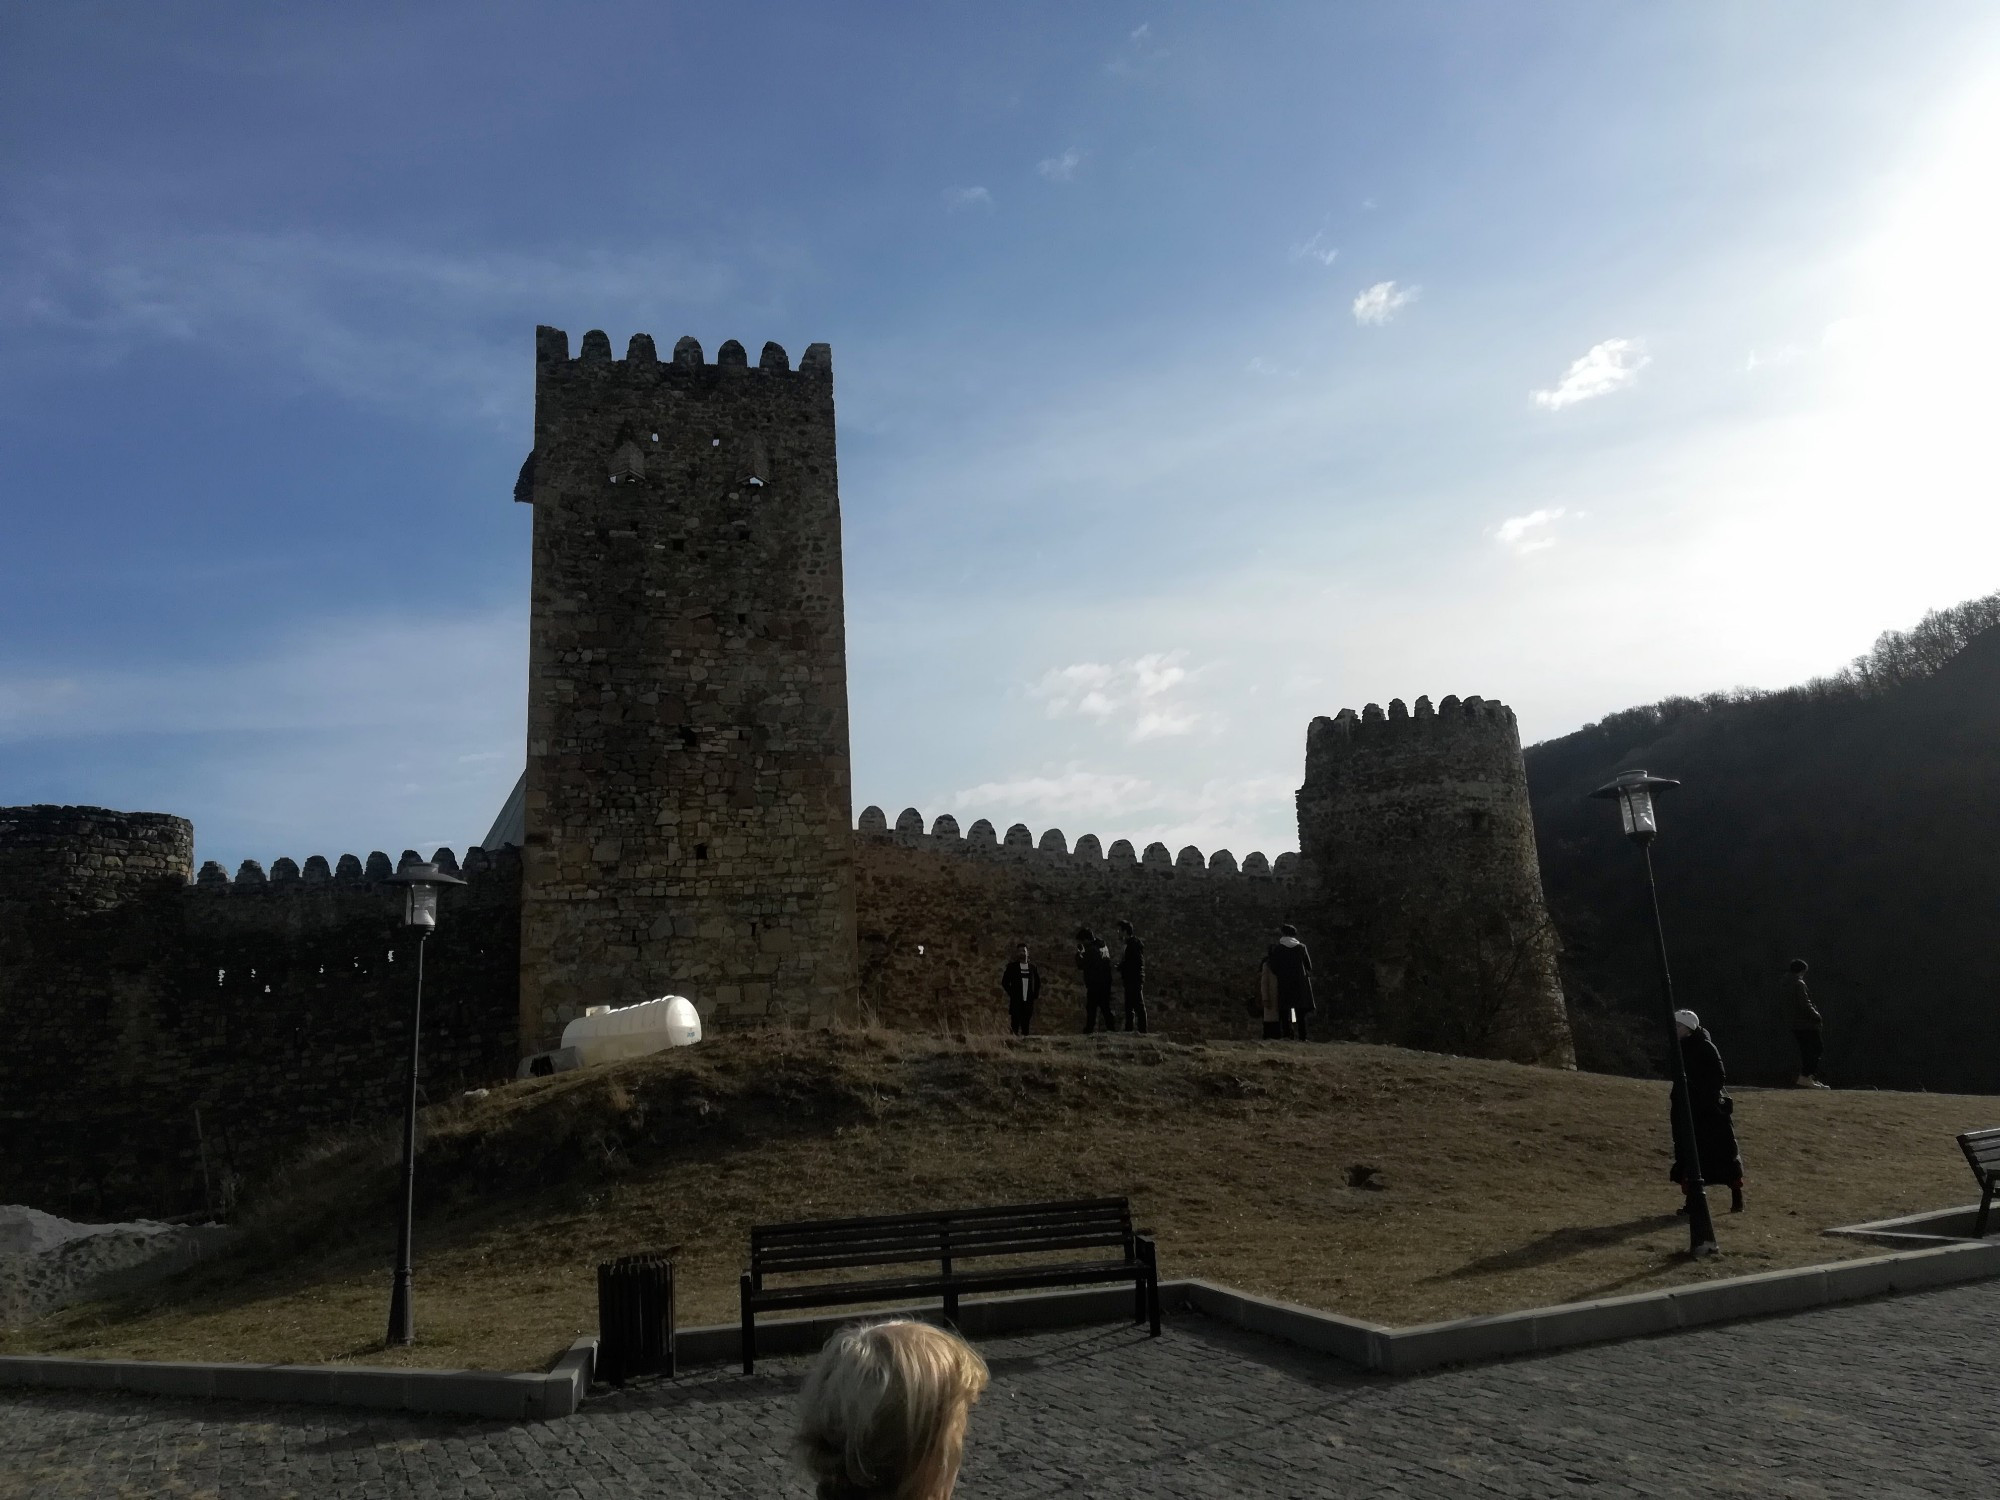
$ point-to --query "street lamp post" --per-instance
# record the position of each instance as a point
(1633, 791)
(420, 892)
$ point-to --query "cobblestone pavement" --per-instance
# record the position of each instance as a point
(1884, 1399)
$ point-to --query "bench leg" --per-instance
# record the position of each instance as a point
(749, 1327)
(951, 1309)
(1150, 1254)
(1985, 1207)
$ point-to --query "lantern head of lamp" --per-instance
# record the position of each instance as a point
(1634, 793)
(420, 885)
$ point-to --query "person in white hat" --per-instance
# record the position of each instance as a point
(1714, 1140)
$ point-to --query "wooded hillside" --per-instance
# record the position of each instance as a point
(1853, 822)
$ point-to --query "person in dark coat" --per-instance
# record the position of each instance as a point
(1803, 1017)
(1094, 959)
(1021, 982)
(1286, 986)
(1714, 1129)
(1132, 974)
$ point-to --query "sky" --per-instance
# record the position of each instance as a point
(1199, 370)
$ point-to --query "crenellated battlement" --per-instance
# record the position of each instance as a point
(352, 872)
(1452, 716)
(642, 360)
(1053, 851)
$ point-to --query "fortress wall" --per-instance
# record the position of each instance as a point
(277, 1004)
(965, 900)
(1419, 828)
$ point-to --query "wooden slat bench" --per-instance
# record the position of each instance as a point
(940, 1241)
(1982, 1150)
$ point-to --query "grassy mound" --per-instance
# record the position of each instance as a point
(1494, 1186)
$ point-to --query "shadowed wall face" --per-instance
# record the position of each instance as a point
(688, 814)
(224, 1023)
(1418, 829)
(940, 914)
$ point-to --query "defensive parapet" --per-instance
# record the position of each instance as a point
(939, 912)
(686, 809)
(78, 859)
(1052, 852)
(1416, 827)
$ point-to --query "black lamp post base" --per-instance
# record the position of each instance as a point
(402, 1322)
(1701, 1228)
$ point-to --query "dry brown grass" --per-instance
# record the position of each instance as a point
(1503, 1186)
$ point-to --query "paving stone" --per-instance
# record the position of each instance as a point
(1890, 1398)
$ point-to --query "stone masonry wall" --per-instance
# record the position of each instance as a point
(939, 914)
(687, 798)
(278, 1006)
(1418, 829)
(78, 859)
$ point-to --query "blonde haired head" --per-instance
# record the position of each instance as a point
(882, 1412)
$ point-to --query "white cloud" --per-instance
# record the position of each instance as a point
(1315, 249)
(1115, 804)
(344, 675)
(302, 746)
(1769, 359)
(1060, 168)
(1140, 693)
(1530, 533)
(1383, 301)
(1068, 793)
(371, 320)
(1141, 47)
(967, 197)
(1606, 367)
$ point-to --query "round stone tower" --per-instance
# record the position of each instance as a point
(82, 859)
(1417, 831)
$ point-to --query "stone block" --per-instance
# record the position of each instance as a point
(1568, 1324)
(1749, 1296)
(1363, 1345)
(169, 1377)
(1459, 1341)
(1850, 1280)
(1946, 1266)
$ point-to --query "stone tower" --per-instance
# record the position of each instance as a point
(687, 805)
(1416, 828)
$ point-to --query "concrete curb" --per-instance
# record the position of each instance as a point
(1408, 1351)
(474, 1393)
(1366, 1346)
(1425, 1346)
(1937, 1226)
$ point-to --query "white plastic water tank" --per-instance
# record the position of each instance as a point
(607, 1033)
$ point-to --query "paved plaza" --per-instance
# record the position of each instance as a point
(1883, 1399)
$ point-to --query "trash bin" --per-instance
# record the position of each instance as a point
(635, 1317)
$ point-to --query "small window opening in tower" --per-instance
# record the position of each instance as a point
(920, 950)
(689, 738)
(754, 482)
(656, 437)
(715, 442)
(701, 851)
(742, 619)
